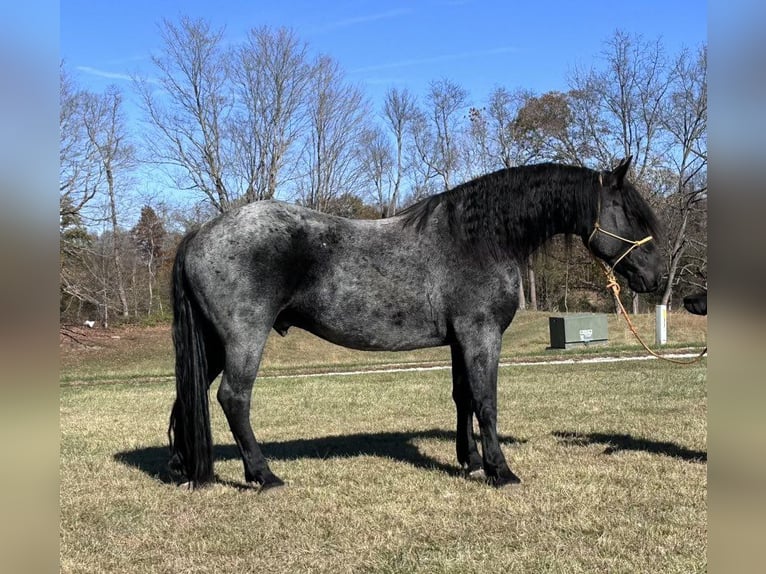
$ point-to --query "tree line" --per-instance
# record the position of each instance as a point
(224, 125)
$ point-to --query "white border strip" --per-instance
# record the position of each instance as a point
(586, 361)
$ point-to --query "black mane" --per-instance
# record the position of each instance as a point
(637, 209)
(515, 210)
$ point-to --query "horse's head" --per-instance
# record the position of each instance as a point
(624, 234)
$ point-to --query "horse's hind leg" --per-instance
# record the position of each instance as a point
(467, 454)
(234, 394)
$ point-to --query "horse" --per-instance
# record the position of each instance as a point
(444, 271)
(697, 303)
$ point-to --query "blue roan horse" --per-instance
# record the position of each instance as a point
(443, 272)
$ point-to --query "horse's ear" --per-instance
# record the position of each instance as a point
(618, 174)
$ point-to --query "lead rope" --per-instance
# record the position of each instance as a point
(611, 283)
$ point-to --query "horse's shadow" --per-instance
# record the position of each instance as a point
(616, 442)
(399, 446)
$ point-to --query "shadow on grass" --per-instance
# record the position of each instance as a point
(394, 445)
(618, 442)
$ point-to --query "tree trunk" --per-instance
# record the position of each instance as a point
(104, 303)
(675, 257)
(116, 254)
(134, 286)
(393, 200)
(151, 289)
(532, 287)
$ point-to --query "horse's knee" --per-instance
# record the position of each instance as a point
(486, 413)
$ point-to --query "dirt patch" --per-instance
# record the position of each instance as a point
(85, 352)
(75, 337)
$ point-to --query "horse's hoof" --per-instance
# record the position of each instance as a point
(477, 474)
(188, 485)
(273, 484)
(504, 481)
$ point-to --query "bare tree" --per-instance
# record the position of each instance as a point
(80, 172)
(271, 75)
(477, 155)
(438, 131)
(399, 110)
(337, 112)
(188, 105)
(421, 174)
(503, 111)
(588, 128)
(685, 119)
(377, 164)
(624, 102)
(105, 126)
(80, 178)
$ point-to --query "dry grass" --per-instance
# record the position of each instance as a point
(613, 458)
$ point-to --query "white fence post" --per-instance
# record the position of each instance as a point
(661, 324)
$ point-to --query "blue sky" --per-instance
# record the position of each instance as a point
(477, 44)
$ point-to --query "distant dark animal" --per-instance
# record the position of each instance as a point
(443, 272)
(696, 304)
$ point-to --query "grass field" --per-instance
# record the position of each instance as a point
(146, 353)
(613, 459)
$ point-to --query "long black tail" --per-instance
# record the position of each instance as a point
(189, 433)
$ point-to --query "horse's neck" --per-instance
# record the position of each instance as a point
(540, 217)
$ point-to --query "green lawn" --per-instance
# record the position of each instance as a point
(612, 457)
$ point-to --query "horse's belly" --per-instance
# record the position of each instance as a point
(368, 329)
(377, 341)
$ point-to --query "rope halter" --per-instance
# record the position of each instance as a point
(609, 269)
(633, 243)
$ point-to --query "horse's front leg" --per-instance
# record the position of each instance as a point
(467, 453)
(481, 352)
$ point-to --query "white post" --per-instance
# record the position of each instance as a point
(661, 324)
